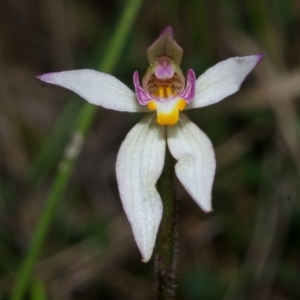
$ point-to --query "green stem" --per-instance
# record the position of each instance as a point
(166, 239)
(66, 166)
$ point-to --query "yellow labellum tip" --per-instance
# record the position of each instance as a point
(152, 105)
(171, 118)
(168, 119)
(181, 104)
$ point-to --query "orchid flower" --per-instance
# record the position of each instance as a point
(164, 93)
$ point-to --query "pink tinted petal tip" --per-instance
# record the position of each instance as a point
(260, 57)
(48, 77)
(168, 30)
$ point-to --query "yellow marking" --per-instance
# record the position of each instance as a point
(172, 117)
(165, 92)
(168, 119)
(152, 105)
(181, 104)
(169, 91)
(161, 91)
(155, 94)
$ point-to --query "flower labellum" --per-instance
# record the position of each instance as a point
(166, 92)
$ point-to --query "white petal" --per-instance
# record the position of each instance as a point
(222, 80)
(97, 88)
(139, 164)
(196, 160)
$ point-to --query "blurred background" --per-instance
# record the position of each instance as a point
(248, 248)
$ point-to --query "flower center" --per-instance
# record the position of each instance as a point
(165, 92)
(165, 83)
(164, 88)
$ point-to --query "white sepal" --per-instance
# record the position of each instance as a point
(97, 88)
(222, 80)
(196, 160)
(139, 164)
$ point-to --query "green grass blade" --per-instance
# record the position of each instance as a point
(66, 166)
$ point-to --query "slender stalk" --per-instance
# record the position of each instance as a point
(166, 240)
(66, 166)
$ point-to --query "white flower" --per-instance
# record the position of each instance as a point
(141, 156)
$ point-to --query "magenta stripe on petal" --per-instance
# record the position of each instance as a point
(189, 92)
(142, 96)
